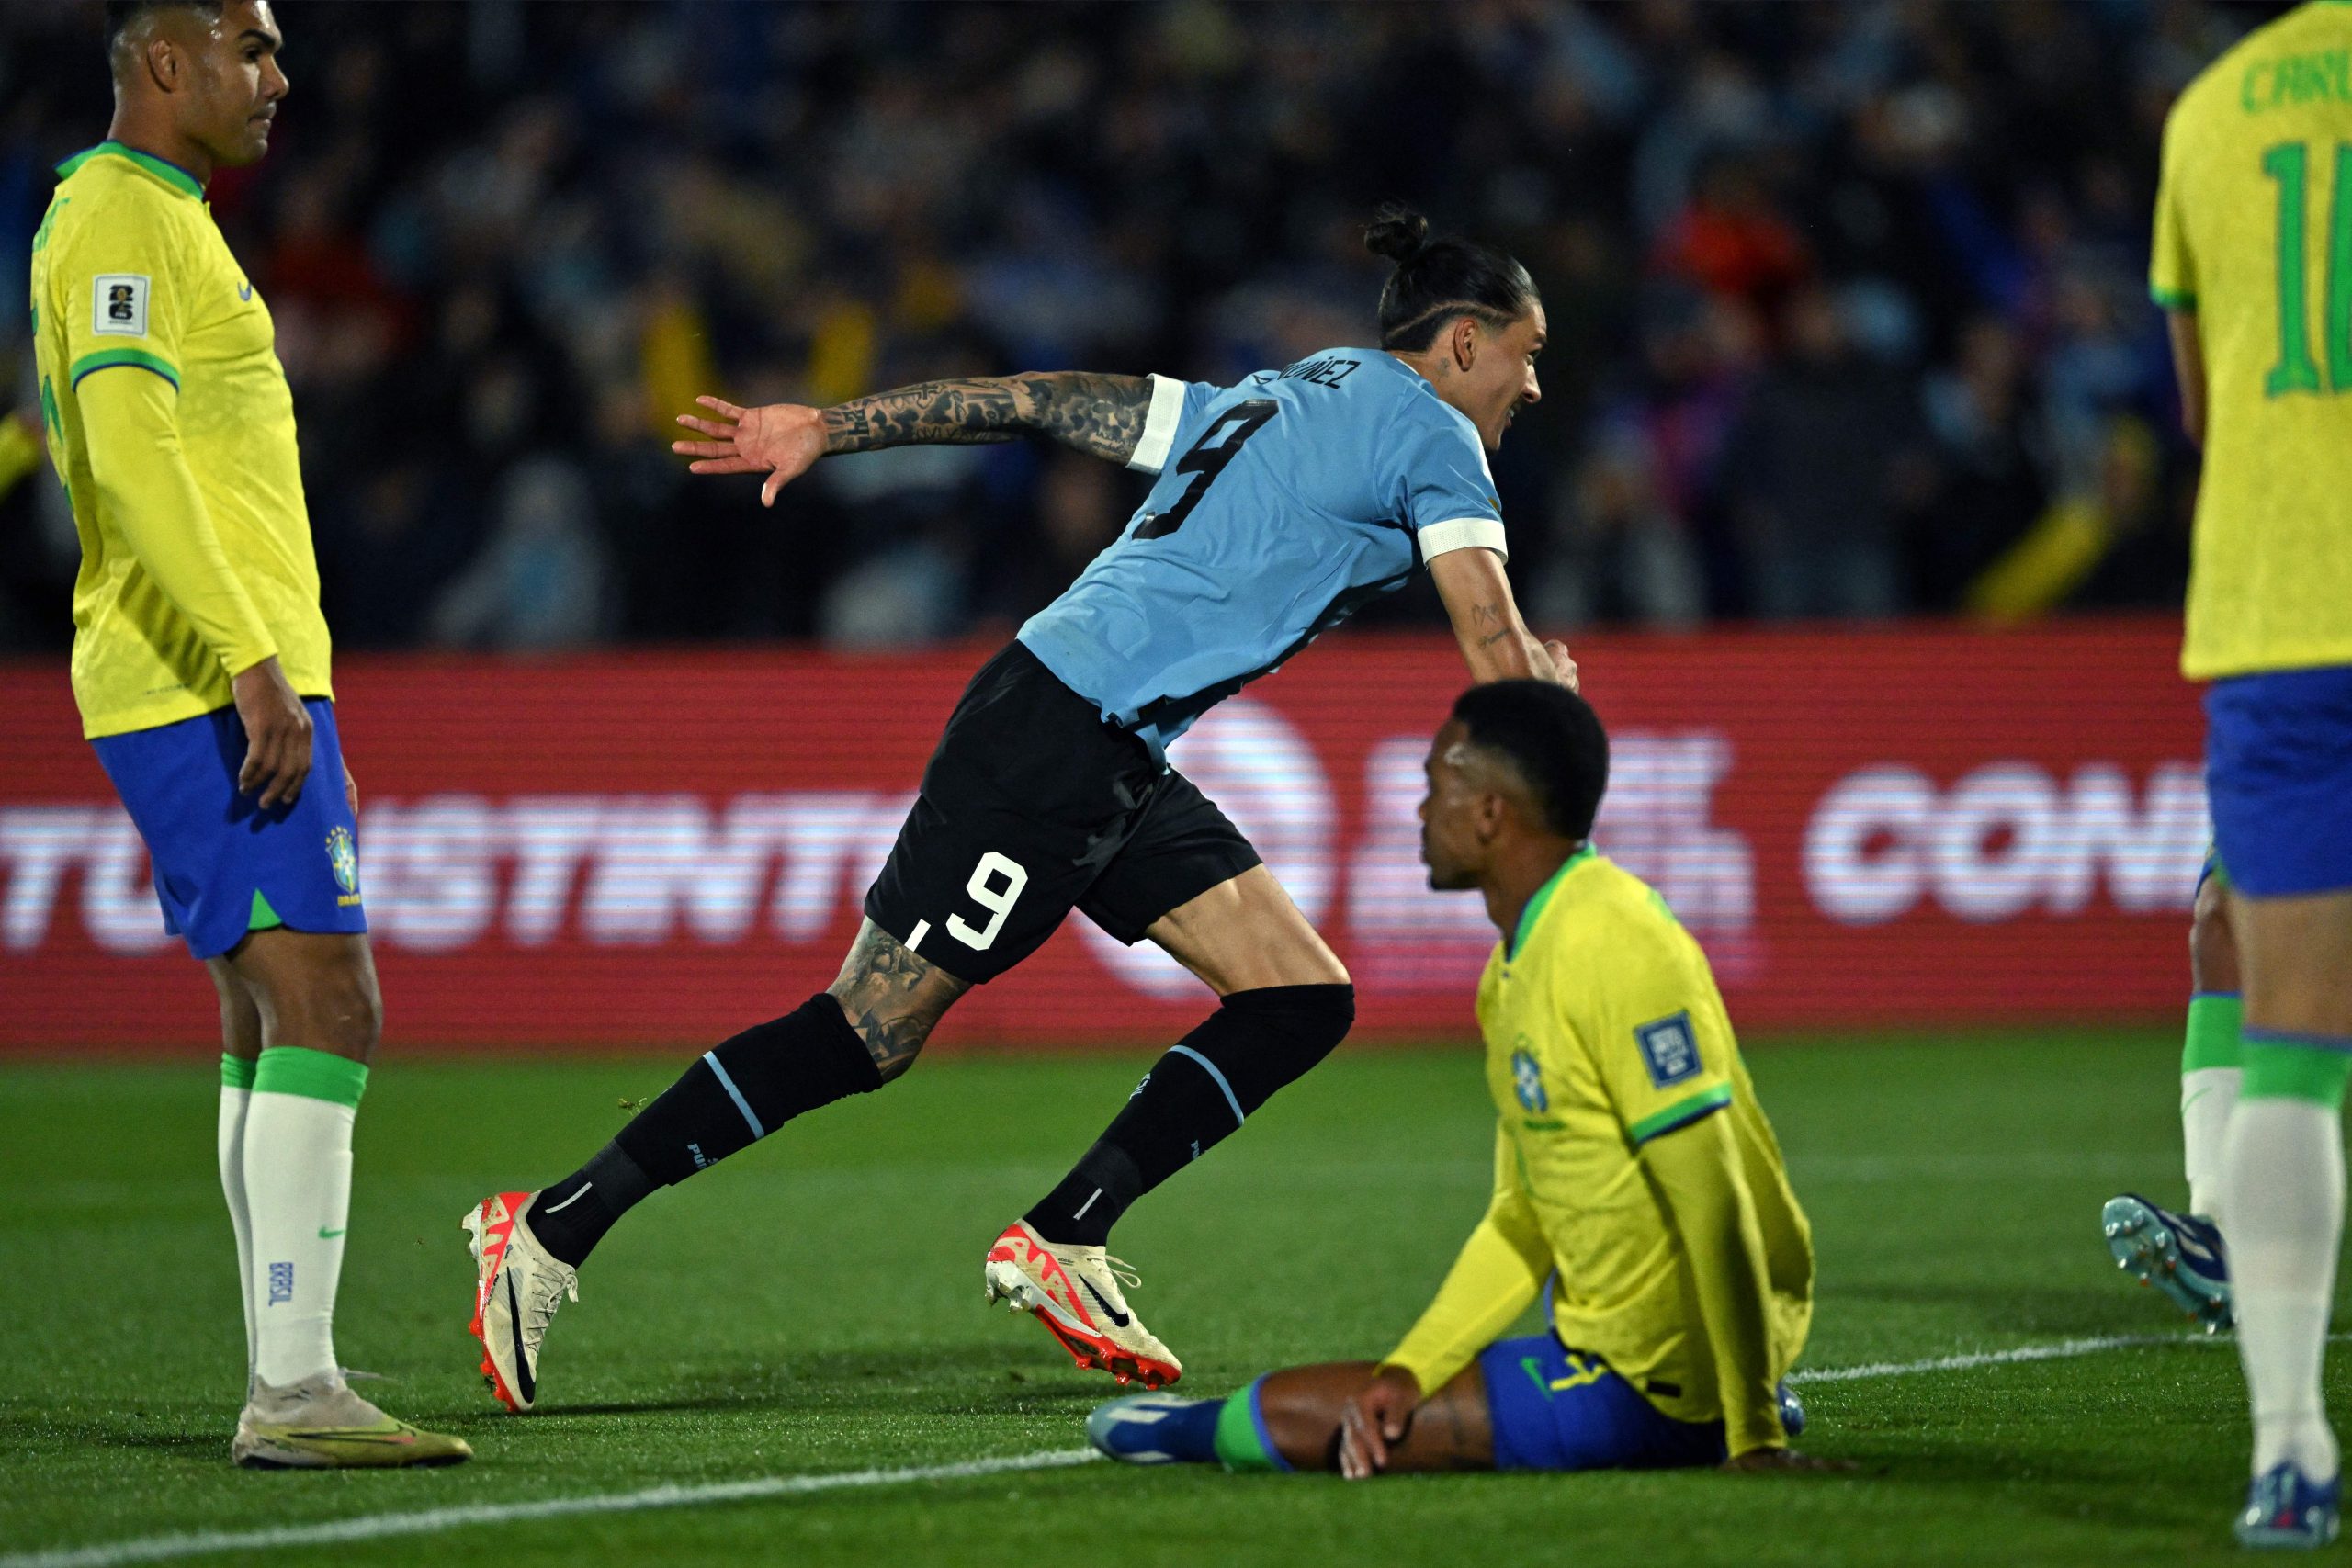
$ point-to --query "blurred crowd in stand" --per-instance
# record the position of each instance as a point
(1847, 300)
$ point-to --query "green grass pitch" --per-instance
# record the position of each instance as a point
(814, 1307)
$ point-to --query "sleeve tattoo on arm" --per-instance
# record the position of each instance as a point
(1100, 415)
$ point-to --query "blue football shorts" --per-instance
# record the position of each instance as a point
(1554, 1408)
(2278, 778)
(223, 866)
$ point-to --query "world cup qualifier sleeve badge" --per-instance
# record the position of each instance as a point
(343, 856)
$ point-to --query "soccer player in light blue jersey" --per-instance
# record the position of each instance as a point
(1281, 504)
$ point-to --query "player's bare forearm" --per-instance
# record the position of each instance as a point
(1496, 652)
(1495, 641)
(1100, 415)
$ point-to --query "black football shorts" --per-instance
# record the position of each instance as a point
(1034, 805)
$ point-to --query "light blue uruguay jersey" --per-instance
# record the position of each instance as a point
(1293, 498)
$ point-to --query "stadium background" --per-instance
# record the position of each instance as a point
(1855, 487)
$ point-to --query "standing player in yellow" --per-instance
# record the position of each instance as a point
(2252, 259)
(200, 667)
(1637, 1184)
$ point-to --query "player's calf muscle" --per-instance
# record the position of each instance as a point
(892, 997)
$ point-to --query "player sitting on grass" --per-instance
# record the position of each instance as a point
(1633, 1171)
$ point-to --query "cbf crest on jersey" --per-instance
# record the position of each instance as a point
(1669, 1050)
(343, 856)
(1527, 1079)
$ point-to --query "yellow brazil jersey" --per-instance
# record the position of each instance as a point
(1604, 1031)
(2253, 235)
(170, 423)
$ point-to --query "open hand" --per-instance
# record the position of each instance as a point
(780, 440)
(1374, 1419)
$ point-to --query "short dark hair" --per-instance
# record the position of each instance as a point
(1438, 280)
(120, 13)
(1553, 738)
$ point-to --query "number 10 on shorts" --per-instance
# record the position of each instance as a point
(995, 885)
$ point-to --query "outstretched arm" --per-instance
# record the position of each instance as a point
(1100, 415)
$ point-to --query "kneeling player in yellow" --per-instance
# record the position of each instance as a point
(1633, 1171)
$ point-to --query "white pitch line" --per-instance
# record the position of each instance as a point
(2059, 1350)
(430, 1521)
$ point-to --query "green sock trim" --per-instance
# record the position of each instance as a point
(264, 918)
(314, 1075)
(2290, 1072)
(2214, 1018)
(236, 1072)
(1239, 1446)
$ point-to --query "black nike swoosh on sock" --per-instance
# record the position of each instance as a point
(1118, 1319)
(522, 1359)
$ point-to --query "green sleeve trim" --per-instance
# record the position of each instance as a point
(314, 1075)
(2213, 1038)
(170, 173)
(2282, 1071)
(2173, 299)
(1681, 1113)
(1242, 1441)
(138, 358)
(236, 1072)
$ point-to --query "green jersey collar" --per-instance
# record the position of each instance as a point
(1535, 906)
(170, 173)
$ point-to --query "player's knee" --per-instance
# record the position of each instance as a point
(2212, 949)
(336, 1007)
(1290, 1028)
(894, 1028)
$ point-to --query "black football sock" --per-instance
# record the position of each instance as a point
(571, 1216)
(1196, 1094)
(734, 1096)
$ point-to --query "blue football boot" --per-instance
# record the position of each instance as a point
(1792, 1412)
(2285, 1508)
(1155, 1429)
(2178, 1254)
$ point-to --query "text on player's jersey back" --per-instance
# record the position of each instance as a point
(2253, 235)
(1282, 504)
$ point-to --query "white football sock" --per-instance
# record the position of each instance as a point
(2284, 1173)
(297, 1189)
(235, 1102)
(2207, 1095)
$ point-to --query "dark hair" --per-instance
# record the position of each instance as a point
(120, 13)
(1553, 738)
(1437, 280)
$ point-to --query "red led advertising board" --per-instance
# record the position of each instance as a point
(1864, 827)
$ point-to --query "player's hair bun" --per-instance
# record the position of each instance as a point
(1396, 231)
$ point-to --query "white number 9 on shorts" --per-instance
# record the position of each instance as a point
(997, 899)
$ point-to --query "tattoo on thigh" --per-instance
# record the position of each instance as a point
(893, 997)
